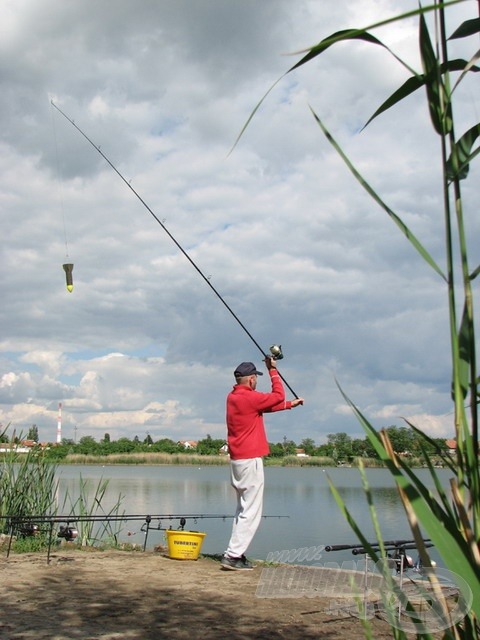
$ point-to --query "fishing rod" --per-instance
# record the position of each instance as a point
(177, 244)
(388, 545)
(42, 518)
(33, 525)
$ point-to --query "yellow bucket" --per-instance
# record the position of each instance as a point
(184, 545)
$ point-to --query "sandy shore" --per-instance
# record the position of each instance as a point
(107, 595)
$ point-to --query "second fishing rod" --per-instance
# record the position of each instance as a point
(275, 350)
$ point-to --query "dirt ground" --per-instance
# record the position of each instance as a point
(136, 595)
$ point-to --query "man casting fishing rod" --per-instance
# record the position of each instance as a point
(247, 444)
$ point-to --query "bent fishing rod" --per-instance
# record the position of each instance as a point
(178, 245)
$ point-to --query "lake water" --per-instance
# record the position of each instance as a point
(301, 494)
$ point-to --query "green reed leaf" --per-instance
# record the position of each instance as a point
(338, 36)
(351, 521)
(436, 94)
(475, 273)
(467, 28)
(365, 35)
(341, 36)
(400, 224)
(418, 81)
(447, 538)
(446, 457)
(470, 66)
(463, 154)
(464, 346)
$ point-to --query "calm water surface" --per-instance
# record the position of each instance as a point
(302, 494)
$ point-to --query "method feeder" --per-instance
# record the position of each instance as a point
(68, 268)
(275, 350)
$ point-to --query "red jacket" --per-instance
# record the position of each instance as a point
(245, 409)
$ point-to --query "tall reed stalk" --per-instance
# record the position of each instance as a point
(27, 486)
(451, 521)
(87, 504)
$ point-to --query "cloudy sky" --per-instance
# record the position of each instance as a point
(283, 232)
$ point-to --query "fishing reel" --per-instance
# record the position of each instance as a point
(68, 533)
(401, 561)
(29, 529)
(276, 351)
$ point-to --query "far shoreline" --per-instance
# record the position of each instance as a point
(182, 459)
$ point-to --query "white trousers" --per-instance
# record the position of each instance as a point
(247, 478)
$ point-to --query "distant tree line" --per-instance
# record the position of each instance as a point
(343, 448)
(339, 446)
(18, 437)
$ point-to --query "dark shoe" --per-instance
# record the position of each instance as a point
(247, 563)
(236, 564)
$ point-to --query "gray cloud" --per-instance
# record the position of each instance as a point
(286, 236)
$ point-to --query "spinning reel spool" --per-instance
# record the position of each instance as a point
(276, 351)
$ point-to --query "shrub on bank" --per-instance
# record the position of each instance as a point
(371, 463)
(303, 461)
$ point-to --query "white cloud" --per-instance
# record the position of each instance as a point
(49, 361)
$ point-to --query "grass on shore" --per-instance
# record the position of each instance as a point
(146, 458)
(181, 459)
(159, 458)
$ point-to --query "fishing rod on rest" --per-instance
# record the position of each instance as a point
(32, 525)
(177, 244)
(388, 545)
(117, 517)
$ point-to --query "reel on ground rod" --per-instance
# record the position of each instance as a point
(67, 533)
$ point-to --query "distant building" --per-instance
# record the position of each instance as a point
(28, 443)
(188, 444)
(300, 453)
(24, 446)
(451, 446)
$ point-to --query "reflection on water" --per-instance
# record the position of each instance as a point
(302, 494)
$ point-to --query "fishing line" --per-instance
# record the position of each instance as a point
(172, 238)
(67, 266)
(59, 173)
